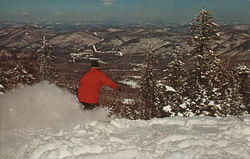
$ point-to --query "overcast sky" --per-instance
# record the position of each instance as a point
(120, 10)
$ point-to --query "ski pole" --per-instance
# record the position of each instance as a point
(114, 99)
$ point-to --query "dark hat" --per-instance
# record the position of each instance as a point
(95, 63)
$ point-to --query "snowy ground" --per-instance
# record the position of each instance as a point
(92, 135)
(130, 83)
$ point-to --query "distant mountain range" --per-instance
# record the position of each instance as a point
(24, 36)
(234, 44)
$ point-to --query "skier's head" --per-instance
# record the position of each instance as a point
(95, 63)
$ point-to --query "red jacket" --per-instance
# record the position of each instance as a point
(91, 84)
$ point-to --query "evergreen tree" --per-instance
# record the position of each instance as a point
(204, 32)
(150, 101)
(177, 79)
(215, 88)
(46, 60)
(14, 72)
(176, 72)
(149, 85)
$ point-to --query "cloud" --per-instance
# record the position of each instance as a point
(107, 3)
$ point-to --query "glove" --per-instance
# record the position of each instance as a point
(119, 89)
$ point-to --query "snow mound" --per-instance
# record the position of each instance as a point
(173, 138)
(43, 105)
(34, 118)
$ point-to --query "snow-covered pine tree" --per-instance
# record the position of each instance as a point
(244, 76)
(176, 71)
(149, 101)
(150, 91)
(204, 32)
(14, 73)
(46, 60)
(177, 79)
(215, 89)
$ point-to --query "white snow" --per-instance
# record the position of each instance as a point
(131, 83)
(95, 49)
(1, 91)
(135, 77)
(128, 101)
(183, 105)
(93, 135)
(167, 108)
(170, 89)
(41, 105)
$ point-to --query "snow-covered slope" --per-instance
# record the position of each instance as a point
(92, 135)
(80, 38)
(23, 36)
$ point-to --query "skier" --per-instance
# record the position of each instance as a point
(91, 83)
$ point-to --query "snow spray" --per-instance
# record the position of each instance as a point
(43, 105)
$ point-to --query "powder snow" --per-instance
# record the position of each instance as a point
(44, 122)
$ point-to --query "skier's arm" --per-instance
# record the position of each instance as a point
(108, 82)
